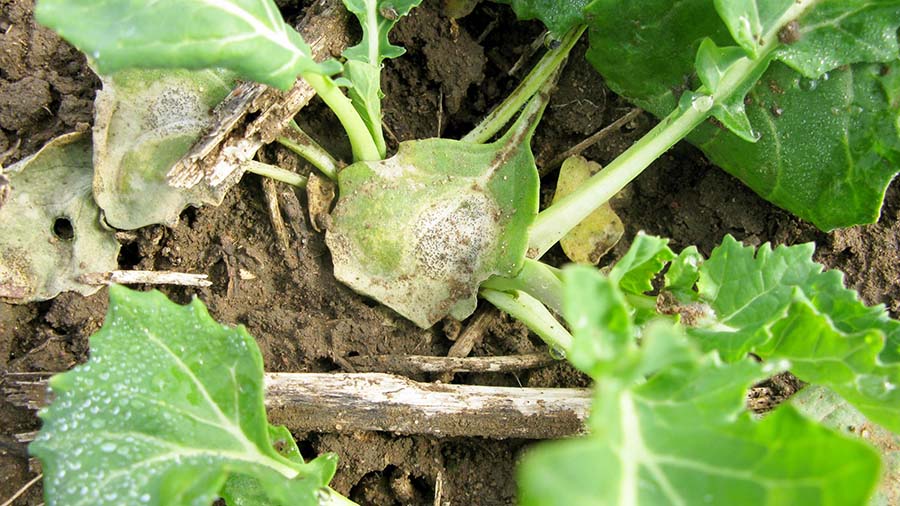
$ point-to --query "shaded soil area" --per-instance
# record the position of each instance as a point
(303, 319)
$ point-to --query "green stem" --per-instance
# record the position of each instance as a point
(536, 279)
(545, 68)
(364, 148)
(557, 220)
(532, 313)
(276, 173)
(299, 142)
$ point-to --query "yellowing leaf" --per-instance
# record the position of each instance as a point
(599, 232)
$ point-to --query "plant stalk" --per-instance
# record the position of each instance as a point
(276, 173)
(364, 148)
(532, 313)
(299, 142)
(545, 68)
(536, 279)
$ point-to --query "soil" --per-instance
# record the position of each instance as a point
(303, 319)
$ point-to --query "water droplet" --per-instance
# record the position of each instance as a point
(808, 84)
(108, 447)
(557, 353)
(702, 103)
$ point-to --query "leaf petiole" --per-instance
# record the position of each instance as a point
(361, 141)
(302, 144)
(532, 313)
(276, 173)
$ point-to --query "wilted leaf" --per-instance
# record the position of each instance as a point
(144, 122)
(601, 230)
(169, 407)
(50, 231)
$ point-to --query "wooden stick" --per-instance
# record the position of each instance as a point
(22, 490)
(418, 364)
(145, 278)
(471, 336)
(343, 402)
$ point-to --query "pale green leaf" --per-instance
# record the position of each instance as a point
(683, 273)
(169, 406)
(646, 257)
(423, 229)
(144, 122)
(50, 198)
(247, 36)
(750, 20)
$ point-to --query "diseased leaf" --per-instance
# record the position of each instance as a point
(601, 230)
(832, 139)
(558, 16)
(169, 407)
(683, 436)
(780, 305)
(829, 409)
(50, 231)
(144, 122)
(247, 36)
(421, 230)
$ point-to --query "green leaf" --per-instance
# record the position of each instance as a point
(780, 305)
(825, 141)
(169, 407)
(682, 436)
(829, 409)
(646, 257)
(602, 330)
(683, 273)
(749, 20)
(364, 90)
(833, 139)
(421, 230)
(50, 230)
(558, 16)
(843, 32)
(247, 36)
(377, 18)
(363, 66)
(144, 122)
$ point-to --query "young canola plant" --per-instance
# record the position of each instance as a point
(798, 98)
